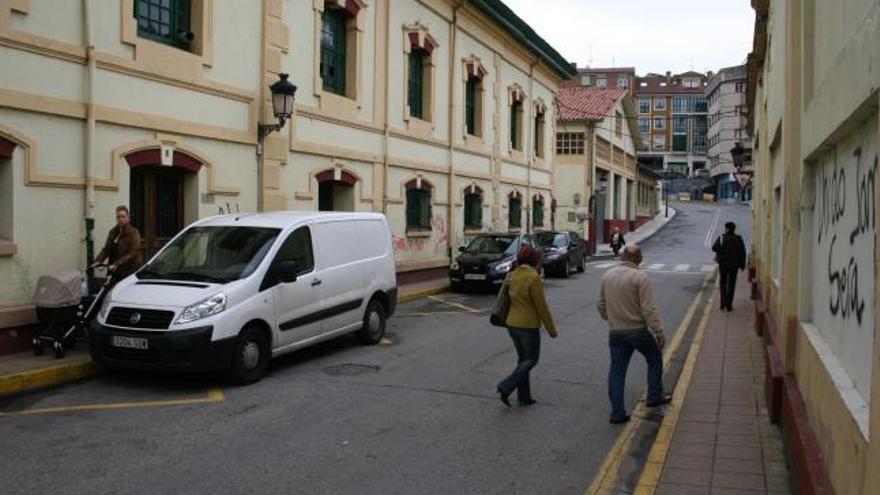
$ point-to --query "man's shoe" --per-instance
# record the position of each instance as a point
(620, 421)
(527, 402)
(504, 398)
(666, 399)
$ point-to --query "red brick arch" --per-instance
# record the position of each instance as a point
(6, 148)
(345, 178)
(153, 156)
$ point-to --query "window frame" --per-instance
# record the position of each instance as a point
(419, 195)
(646, 109)
(415, 97)
(661, 121)
(180, 19)
(338, 84)
(538, 211)
(517, 225)
(473, 209)
(570, 143)
(659, 102)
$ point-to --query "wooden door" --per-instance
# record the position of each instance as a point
(156, 205)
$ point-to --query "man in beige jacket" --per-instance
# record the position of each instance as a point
(626, 302)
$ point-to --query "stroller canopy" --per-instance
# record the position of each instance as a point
(59, 289)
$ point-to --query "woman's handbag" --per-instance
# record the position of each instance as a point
(502, 306)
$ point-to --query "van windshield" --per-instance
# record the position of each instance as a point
(212, 254)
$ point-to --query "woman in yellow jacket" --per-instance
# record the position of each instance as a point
(528, 311)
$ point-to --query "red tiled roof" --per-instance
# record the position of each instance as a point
(588, 103)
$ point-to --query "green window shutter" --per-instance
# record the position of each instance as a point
(333, 51)
(163, 21)
(515, 211)
(470, 105)
(418, 209)
(514, 125)
(473, 211)
(416, 73)
(412, 209)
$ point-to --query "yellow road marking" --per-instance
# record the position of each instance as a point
(454, 304)
(605, 480)
(213, 395)
(657, 457)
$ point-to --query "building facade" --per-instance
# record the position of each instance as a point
(603, 78)
(813, 100)
(673, 122)
(597, 186)
(438, 113)
(726, 95)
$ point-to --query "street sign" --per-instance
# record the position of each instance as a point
(743, 179)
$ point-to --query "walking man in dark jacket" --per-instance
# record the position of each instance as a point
(730, 253)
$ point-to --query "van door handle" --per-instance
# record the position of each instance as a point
(316, 282)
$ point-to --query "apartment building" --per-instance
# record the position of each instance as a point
(726, 95)
(813, 101)
(673, 122)
(603, 78)
(438, 113)
(596, 184)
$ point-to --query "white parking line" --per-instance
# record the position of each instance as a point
(682, 268)
(707, 268)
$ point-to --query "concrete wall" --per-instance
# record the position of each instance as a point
(816, 135)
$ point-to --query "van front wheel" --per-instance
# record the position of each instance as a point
(251, 359)
(374, 324)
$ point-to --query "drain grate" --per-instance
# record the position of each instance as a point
(350, 369)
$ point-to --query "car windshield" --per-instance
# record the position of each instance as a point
(212, 254)
(550, 239)
(492, 244)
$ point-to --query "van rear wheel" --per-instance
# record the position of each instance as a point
(374, 324)
(251, 358)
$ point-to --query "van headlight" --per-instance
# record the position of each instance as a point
(203, 309)
(105, 307)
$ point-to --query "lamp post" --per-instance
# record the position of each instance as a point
(738, 154)
(283, 95)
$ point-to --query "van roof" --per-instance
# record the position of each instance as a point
(282, 219)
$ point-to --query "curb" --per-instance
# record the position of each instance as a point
(18, 383)
(412, 296)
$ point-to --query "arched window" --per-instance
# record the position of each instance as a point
(420, 72)
(418, 205)
(473, 208)
(538, 211)
(514, 210)
(473, 96)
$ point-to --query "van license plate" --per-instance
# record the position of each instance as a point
(474, 276)
(130, 342)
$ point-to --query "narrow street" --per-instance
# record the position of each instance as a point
(418, 415)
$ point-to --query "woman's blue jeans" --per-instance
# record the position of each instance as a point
(528, 349)
(622, 345)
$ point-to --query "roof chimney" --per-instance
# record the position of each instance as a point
(668, 77)
(709, 74)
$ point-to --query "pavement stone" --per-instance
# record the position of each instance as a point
(723, 443)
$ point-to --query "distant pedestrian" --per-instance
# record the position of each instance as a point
(730, 254)
(528, 311)
(626, 302)
(617, 241)
(122, 250)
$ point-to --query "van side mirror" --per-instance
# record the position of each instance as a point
(284, 272)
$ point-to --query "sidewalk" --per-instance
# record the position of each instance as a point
(641, 234)
(721, 439)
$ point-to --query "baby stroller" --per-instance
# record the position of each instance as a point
(65, 307)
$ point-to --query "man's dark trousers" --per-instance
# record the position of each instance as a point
(727, 280)
(622, 343)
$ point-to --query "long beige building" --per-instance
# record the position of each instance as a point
(813, 102)
(438, 113)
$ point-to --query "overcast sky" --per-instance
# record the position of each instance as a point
(650, 35)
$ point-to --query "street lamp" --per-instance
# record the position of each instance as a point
(738, 154)
(283, 95)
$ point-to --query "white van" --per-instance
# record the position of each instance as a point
(232, 291)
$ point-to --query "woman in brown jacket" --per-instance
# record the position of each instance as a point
(123, 247)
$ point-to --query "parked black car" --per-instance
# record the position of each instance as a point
(485, 261)
(563, 251)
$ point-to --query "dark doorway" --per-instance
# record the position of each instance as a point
(157, 205)
(335, 196)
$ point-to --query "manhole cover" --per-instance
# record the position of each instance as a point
(350, 369)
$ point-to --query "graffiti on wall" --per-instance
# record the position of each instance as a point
(439, 238)
(230, 208)
(842, 267)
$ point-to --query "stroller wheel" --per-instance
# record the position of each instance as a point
(37, 344)
(59, 350)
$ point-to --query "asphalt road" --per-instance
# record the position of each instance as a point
(418, 416)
